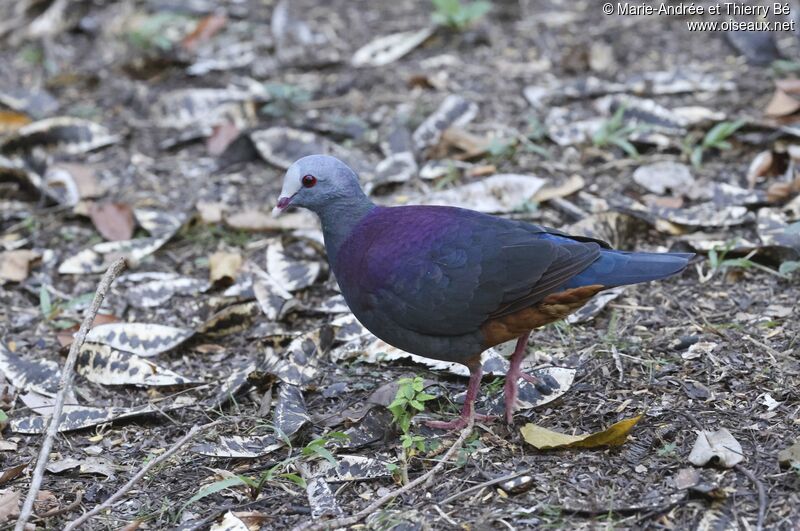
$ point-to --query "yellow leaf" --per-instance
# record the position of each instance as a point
(544, 439)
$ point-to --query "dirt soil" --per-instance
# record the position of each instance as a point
(689, 353)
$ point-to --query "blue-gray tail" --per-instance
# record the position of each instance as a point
(619, 268)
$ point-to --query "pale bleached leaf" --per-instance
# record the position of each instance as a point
(453, 111)
(105, 365)
(387, 49)
(142, 339)
(291, 275)
(38, 375)
(496, 194)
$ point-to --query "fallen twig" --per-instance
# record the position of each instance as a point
(139, 475)
(483, 485)
(762, 495)
(67, 376)
(350, 520)
(62, 510)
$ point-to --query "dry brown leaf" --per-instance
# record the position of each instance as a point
(206, 28)
(781, 104)
(11, 121)
(223, 268)
(573, 184)
(83, 175)
(9, 505)
(15, 265)
(544, 439)
(114, 221)
(221, 137)
(11, 473)
(65, 337)
(789, 86)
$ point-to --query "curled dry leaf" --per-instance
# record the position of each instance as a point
(12, 472)
(544, 439)
(114, 221)
(782, 104)
(719, 444)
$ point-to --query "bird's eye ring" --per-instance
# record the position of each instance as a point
(308, 181)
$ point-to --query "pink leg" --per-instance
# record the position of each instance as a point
(511, 388)
(467, 411)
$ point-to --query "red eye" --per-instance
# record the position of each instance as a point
(309, 181)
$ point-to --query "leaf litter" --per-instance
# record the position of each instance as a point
(258, 328)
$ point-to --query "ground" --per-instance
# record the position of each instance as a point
(714, 347)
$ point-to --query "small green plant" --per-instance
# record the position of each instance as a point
(784, 67)
(456, 15)
(715, 138)
(52, 310)
(317, 447)
(157, 32)
(313, 450)
(284, 99)
(788, 267)
(719, 263)
(409, 400)
(534, 136)
(668, 450)
(615, 132)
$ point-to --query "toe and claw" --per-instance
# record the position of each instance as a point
(510, 391)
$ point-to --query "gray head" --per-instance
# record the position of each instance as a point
(316, 182)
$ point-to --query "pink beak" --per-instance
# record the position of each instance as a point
(283, 202)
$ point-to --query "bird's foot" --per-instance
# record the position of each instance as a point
(458, 423)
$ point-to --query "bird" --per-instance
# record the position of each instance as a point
(448, 283)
